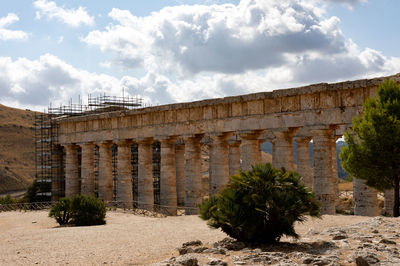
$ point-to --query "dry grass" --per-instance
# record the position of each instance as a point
(17, 149)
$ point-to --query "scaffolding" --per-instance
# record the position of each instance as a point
(50, 156)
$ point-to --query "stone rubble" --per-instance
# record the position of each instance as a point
(373, 242)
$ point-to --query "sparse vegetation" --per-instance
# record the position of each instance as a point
(261, 205)
(8, 200)
(31, 194)
(80, 210)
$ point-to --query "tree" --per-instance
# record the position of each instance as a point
(373, 150)
(260, 205)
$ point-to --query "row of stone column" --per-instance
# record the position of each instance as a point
(180, 172)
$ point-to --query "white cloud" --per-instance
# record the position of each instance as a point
(200, 42)
(71, 17)
(349, 2)
(6, 34)
(49, 79)
(195, 52)
(218, 38)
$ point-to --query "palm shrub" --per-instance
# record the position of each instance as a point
(80, 210)
(261, 205)
(61, 211)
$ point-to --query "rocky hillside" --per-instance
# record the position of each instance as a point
(17, 149)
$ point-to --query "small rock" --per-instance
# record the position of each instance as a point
(366, 260)
(339, 237)
(375, 231)
(321, 262)
(192, 243)
(387, 241)
(312, 232)
(257, 250)
(215, 251)
(239, 262)
(217, 262)
(199, 249)
(230, 244)
(308, 260)
(187, 260)
(183, 251)
(34, 222)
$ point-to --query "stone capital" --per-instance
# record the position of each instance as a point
(166, 138)
(234, 142)
(123, 142)
(192, 137)
(143, 140)
(70, 146)
(250, 134)
(284, 134)
(302, 139)
(87, 144)
(105, 144)
(220, 135)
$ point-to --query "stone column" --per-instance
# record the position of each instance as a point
(168, 191)
(234, 157)
(303, 160)
(335, 171)
(145, 174)
(219, 162)
(180, 173)
(124, 179)
(283, 153)
(250, 149)
(323, 184)
(57, 173)
(389, 202)
(193, 185)
(365, 199)
(87, 169)
(71, 171)
(105, 172)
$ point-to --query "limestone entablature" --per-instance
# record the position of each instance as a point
(314, 105)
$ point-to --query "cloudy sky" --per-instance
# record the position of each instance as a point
(170, 51)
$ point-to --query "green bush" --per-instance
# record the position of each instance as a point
(8, 200)
(261, 205)
(88, 211)
(80, 210)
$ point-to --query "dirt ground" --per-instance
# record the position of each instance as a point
(126, 239)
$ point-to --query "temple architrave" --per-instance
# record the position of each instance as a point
(235, 128)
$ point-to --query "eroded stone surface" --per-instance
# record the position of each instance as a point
(348, 245)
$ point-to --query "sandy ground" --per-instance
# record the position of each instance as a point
(33, 238)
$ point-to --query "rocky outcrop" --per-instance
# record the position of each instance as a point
(373, 242)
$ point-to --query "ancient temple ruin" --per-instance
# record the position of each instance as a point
(152, 155)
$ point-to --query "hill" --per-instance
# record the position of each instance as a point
(17, 149)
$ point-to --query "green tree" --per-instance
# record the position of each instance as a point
(260, 205)
(373, 150)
